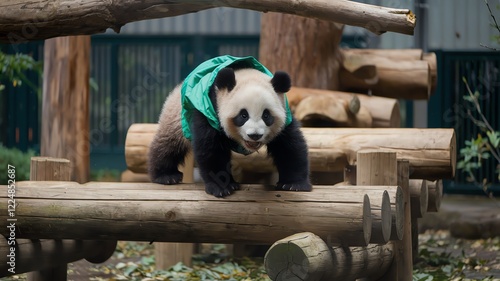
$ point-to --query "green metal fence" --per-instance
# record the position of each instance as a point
(448, 109)
(133, 75)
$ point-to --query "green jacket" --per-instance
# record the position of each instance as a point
(196, 86)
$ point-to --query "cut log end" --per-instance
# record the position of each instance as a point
(418, 197)
(435, 189)
(303, 256)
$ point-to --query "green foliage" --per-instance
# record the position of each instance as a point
(12, 68)
(16, 158)
(485, 146)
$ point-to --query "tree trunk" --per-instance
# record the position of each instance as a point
(23, 20)
(307, 49)
(65, 106)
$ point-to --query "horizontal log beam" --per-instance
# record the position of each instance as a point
(384, 111)
(184, 213)
(431, 152)
(24, 20)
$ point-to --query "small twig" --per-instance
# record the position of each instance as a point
(478, 107)
(492, 16)
(488, 47)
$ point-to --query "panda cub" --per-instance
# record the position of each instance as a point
(249, 110)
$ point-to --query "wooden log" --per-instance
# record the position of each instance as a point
(55, 254)
(396, 204)
(384, 111)
(377, 167)
(65, 106)
(21, 21)
(305, 256)
(354, 58)
(403, 254)
(328, 111)
(381, 211)
(419, 198)
(129, 176)
(431, 152)
(185, 213)
(302, 256)
(309, 49)
(394, 79)
(41, 254)
(430, 58)
(169, 254)
(435, 189)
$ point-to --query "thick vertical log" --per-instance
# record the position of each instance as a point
(378, 168)
(65, 106)
(403, 254)
(57, 252)
(168, 254)
(305, 48)
(44, 169)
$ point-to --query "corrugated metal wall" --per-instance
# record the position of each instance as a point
(461, 24)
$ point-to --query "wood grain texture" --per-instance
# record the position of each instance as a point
(384, 111)
(307, 49)
(65, 105)
(23, 20)
(308, 257)
(419, 197)
(431, 151)
(435, 189)
(185, 213)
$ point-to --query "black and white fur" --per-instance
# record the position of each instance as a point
(251, 109)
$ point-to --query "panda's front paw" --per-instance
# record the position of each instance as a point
(169, 179)
(294, 186)
(219, 191)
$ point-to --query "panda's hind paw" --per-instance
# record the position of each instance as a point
(169, 179)
(294, 186)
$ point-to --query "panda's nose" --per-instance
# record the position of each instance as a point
(255, 136)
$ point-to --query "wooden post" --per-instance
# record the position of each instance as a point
(168, 254)
(46, 169)
(378, 168)
(56, 169)
(65, 105)
(403, 254)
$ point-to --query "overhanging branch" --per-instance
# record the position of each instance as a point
(27, 20)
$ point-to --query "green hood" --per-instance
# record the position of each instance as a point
(196, 86)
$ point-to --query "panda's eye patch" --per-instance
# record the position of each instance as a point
(267, 117)
(241, 118)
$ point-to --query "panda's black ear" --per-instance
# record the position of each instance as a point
(225, 79)
(281, 82)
